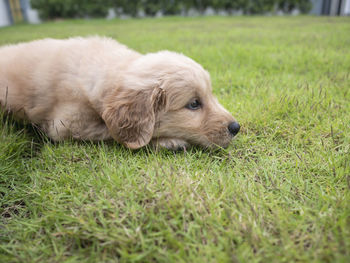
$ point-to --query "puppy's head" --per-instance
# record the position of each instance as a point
(167, 96)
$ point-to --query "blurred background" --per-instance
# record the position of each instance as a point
(36, 11)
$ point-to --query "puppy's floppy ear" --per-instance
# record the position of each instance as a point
(130, 115)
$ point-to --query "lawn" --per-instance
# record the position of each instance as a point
(279, 193)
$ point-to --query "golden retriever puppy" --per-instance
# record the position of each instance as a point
(96, 89)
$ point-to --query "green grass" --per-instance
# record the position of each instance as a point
(279, 193)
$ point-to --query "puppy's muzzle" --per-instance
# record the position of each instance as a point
(234, 128)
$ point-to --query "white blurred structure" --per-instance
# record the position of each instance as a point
(347, 8)
(5, 15)
(12, 10)
(330, 7)
(30, 15)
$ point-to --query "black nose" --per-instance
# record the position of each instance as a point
(234, 127)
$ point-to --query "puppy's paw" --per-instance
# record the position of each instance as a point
(171, 144)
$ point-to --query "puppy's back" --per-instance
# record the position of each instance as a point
(36, 76)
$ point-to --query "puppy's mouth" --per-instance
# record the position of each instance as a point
(213, 139)
(221, 139)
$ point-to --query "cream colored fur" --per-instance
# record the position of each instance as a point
(96, 89)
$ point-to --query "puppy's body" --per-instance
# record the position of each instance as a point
(61, 84)
(97, 89)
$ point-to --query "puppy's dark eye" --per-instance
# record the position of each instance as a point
(194, 105)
